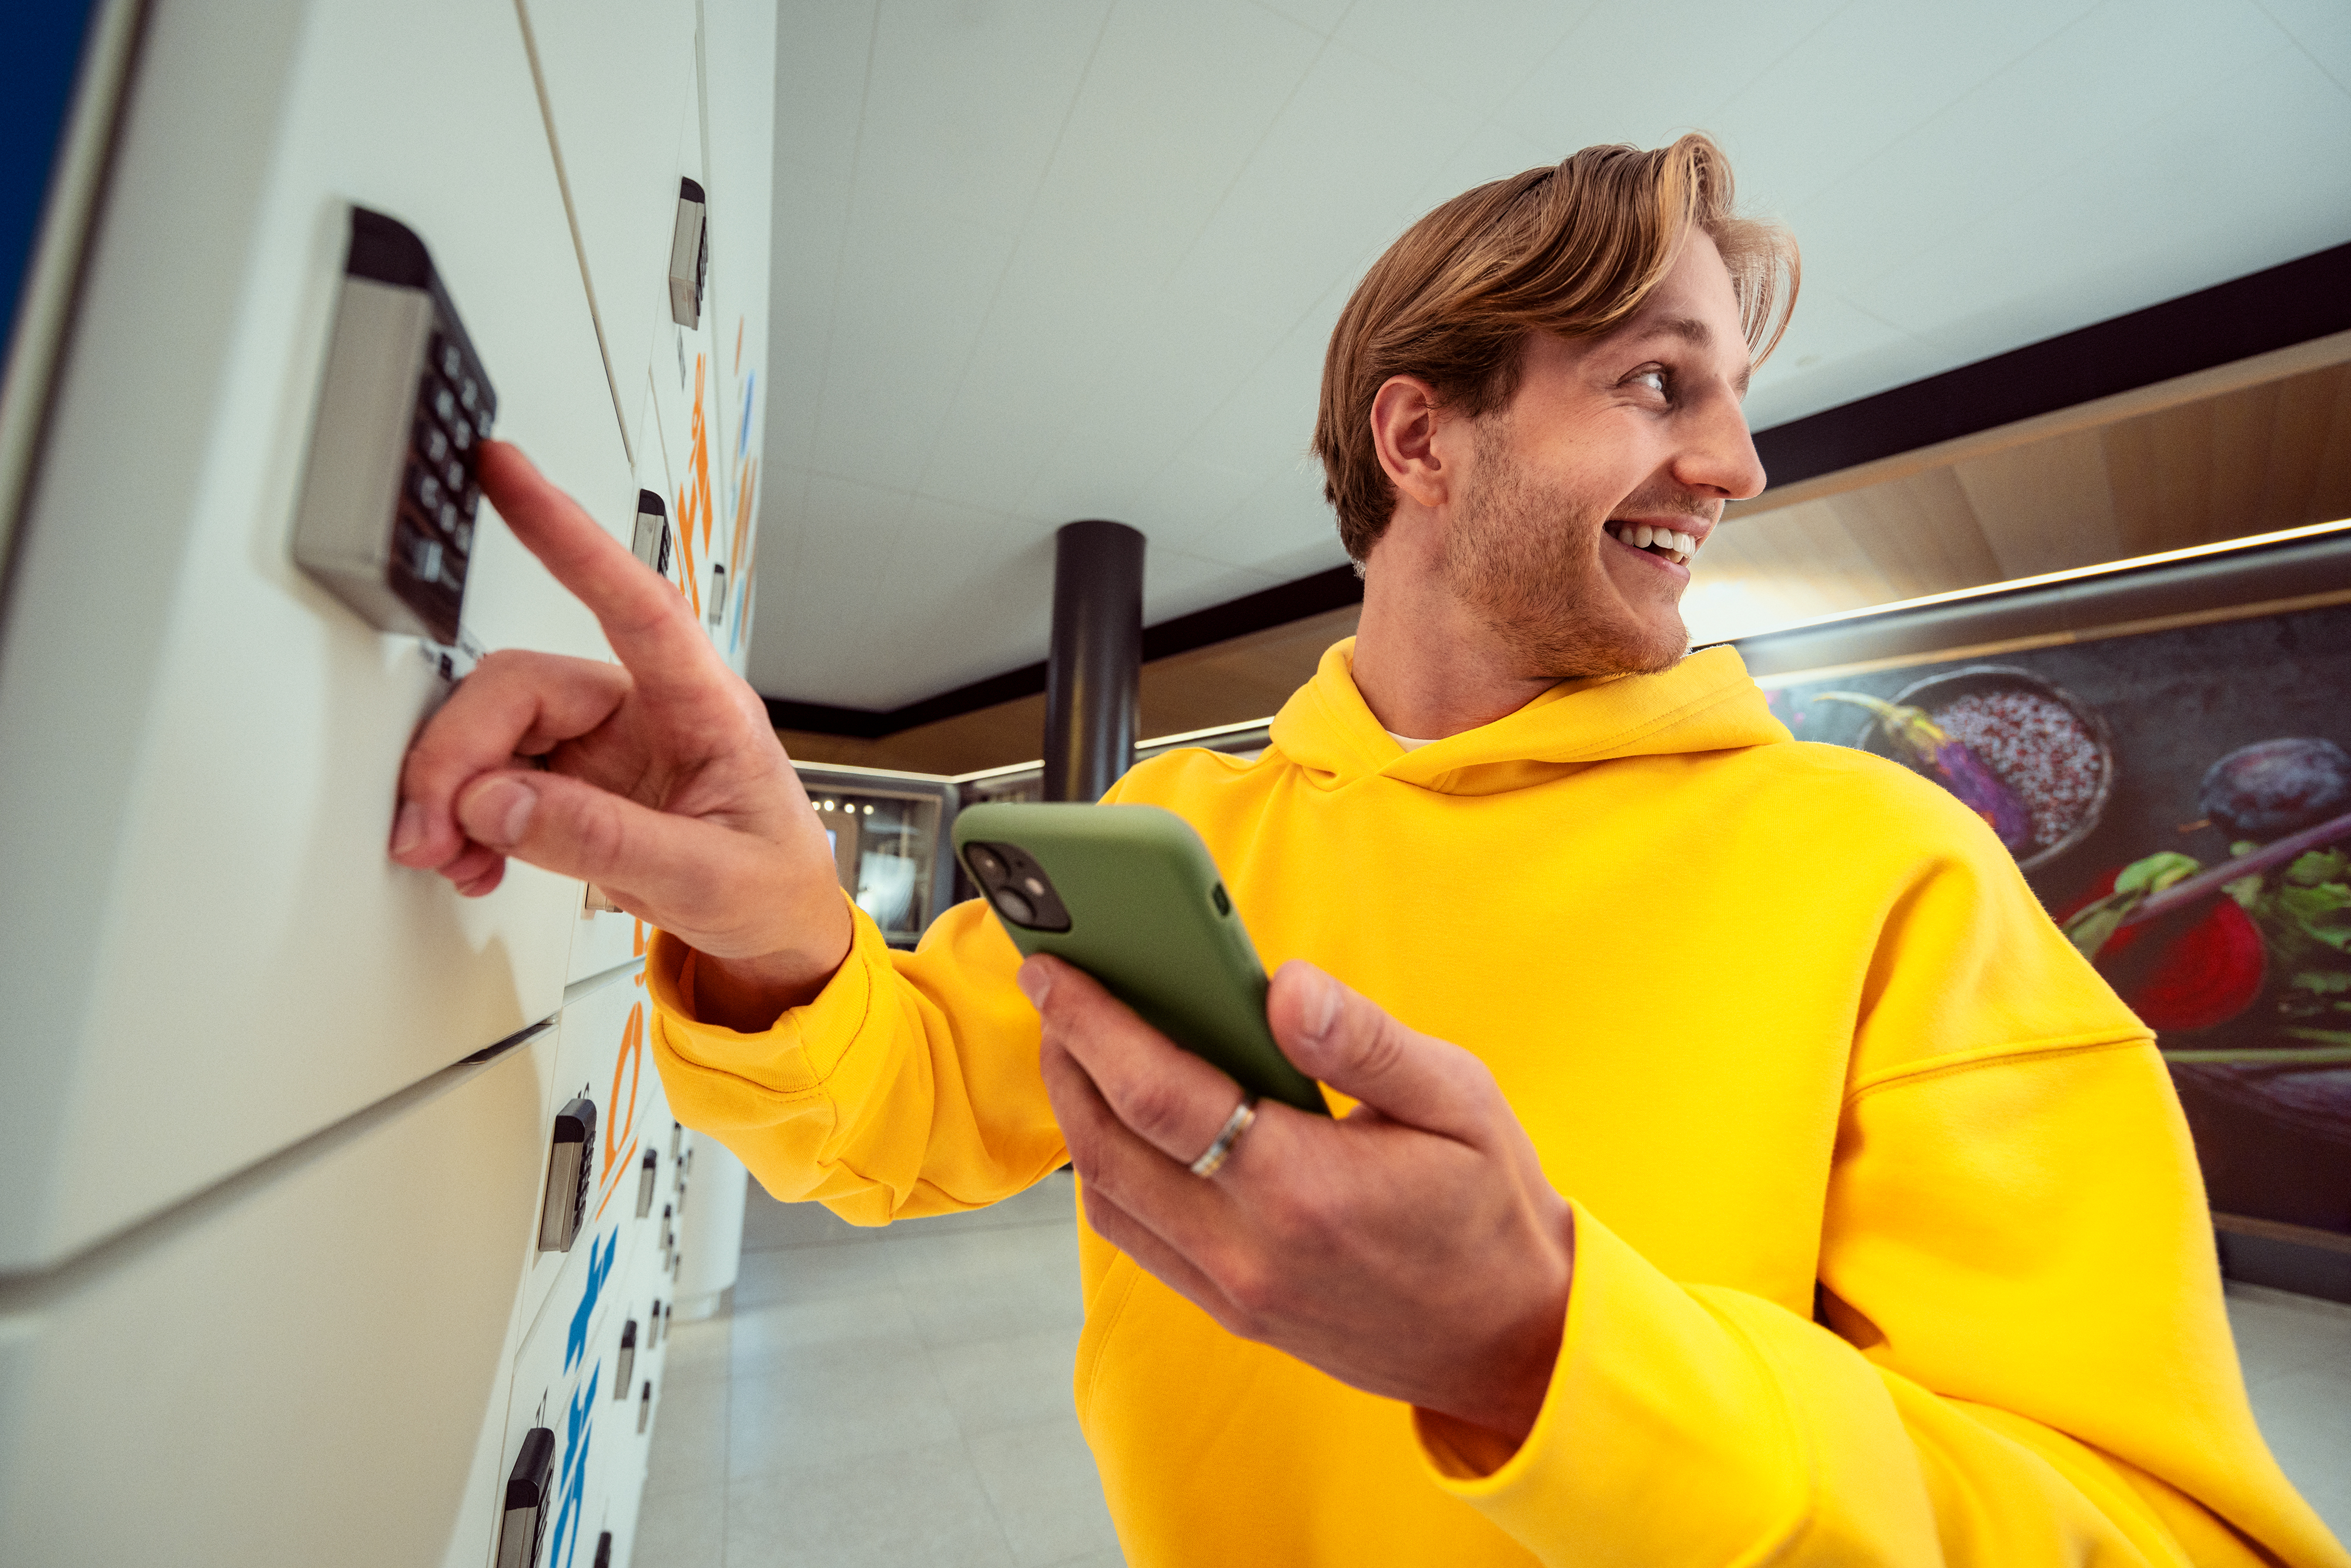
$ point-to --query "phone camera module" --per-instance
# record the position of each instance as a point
(1014, 907)
(985, 865)
(1017, 886)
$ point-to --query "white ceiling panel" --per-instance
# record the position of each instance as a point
(2177, 205)
(1049, 259)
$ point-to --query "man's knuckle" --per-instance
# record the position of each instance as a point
(602, 833)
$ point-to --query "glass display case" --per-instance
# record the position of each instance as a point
(888, 833)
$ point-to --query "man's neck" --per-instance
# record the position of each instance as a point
(1426, 665)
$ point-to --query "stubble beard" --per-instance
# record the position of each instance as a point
(1520, 557)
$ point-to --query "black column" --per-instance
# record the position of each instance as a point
(1091, 692)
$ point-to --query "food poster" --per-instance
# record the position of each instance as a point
(2181, 802)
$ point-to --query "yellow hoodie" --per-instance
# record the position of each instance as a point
(1890, 1246)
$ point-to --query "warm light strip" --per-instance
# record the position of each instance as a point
(2048, 578)
(1955, 596)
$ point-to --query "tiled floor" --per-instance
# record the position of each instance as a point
(902, 1396)
(2297, 1356)
(897, 1397)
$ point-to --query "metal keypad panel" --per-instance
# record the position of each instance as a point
(442, 491)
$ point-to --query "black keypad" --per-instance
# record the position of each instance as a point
(455, 403)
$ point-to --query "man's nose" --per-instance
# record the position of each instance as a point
(1720, 456)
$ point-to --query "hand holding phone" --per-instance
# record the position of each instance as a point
(1130, 895)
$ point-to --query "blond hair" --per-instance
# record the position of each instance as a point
(1573, 250)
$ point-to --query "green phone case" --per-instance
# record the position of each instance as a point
(1148, 917)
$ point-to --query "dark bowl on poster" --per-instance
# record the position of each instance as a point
(1935, 693)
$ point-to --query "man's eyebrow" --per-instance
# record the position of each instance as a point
(1697, 334)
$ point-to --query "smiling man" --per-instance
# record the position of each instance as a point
(1699, 1198)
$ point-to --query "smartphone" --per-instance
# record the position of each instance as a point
(1130, 895)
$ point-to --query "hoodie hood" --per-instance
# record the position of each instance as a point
(1706, 703)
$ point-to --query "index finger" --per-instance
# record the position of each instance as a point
(646, 621)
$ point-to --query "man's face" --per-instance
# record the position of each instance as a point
(1604, 438)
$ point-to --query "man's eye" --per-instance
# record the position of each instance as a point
(1655, 379)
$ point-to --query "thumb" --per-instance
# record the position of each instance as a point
(1352, 1045)
(673, 866)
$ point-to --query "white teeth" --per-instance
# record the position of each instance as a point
(1685, 544)
(1643, 535)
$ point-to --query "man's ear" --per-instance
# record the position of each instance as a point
(1405, 415)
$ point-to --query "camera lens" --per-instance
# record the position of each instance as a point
(1014, 907)
(984, 865)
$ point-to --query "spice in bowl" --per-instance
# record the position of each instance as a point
(2039, 748)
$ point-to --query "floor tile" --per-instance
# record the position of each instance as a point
(2280, 1333)
(812, 1274)
(1011, 1382)
(844, 1400)
(765, 1336)
(2306, 1416)
(690, 1438)
(919, 1507)
(769, 1225)
(1047, 1492)
(697, 1353)
(683, 1529)
(991, 1285)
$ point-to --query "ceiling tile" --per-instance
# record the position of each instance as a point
(900, 337)
(2174, 206)
(2323, 30)
(1627, 73)
(820, 81)
(1872, 72)
(1333, 178)
(965, 103)
(1319, 17)
(1283, 515)
(1174, 584)
(1474, 53)
(2126, 64)
(1833, 353)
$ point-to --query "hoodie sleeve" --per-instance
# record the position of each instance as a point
(909, 1085)
(2021, 1355)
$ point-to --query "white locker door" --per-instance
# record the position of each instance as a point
(305, 1366)
(738, 96)
(603, 1057)
(619, 77)
(209, 954)
(564, 1374)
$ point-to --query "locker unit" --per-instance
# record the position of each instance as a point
(308, 1366)
(622, 106)
(340, 1194)
(202, 743)
(601, 1060)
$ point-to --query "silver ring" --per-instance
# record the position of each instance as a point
(1221, 1150)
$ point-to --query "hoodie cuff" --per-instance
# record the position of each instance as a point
(1652, 1394)
(775, 1056)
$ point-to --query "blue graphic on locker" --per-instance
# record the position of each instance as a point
(572, 1489)
(599, 1266)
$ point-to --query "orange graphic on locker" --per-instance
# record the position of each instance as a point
(628, 1063)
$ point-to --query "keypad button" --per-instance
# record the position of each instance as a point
(464, 538)
(435, 445)
(427, 559)
(463, 434)
(469, 395)
(451, 361)
(482, 422)
(444, 404)
(428, 492)
(448, 516)
(473, 498)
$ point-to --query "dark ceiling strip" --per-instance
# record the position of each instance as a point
(2275, 308)
(1278, 606)
(2230, 322)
